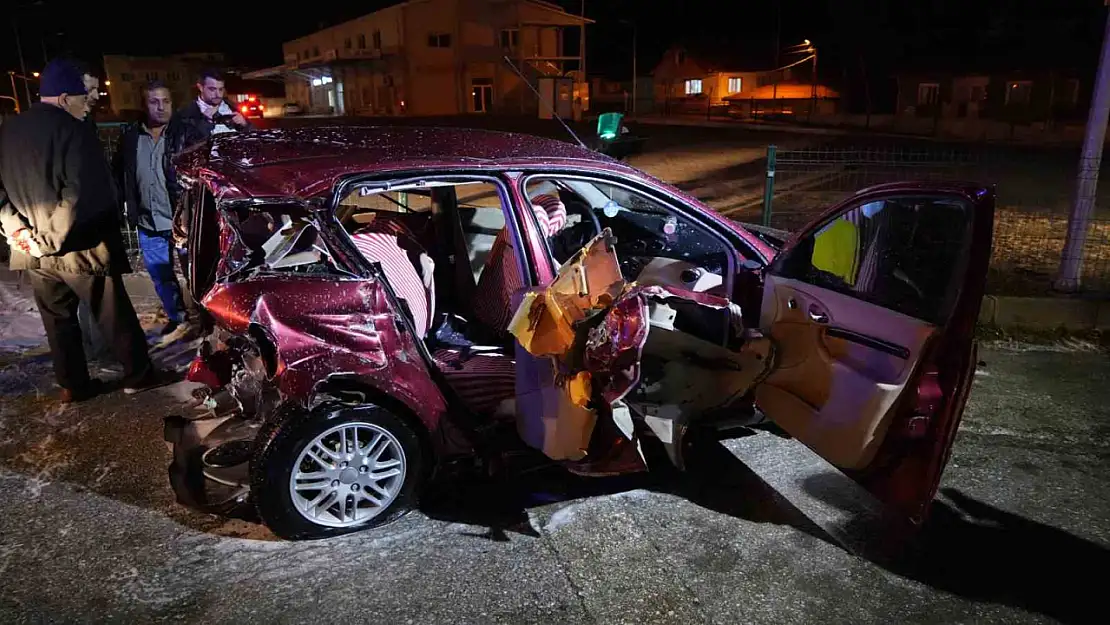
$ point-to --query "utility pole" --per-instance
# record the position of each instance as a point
(22, 65)
(1071, 261)
(634, 72)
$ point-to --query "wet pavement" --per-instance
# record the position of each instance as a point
(90, 531)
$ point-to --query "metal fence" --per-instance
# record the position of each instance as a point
(110, 133)
(1035, 188)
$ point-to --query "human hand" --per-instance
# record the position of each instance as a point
(239, 120)
(23, 241)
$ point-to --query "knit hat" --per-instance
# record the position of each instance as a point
(61, 76)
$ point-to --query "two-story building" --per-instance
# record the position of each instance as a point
(434, 57)
(125, 76)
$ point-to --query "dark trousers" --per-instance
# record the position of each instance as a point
(58, 294)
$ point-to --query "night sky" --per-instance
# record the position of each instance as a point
(854, 36)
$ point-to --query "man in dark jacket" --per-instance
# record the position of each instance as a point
(59, 213)
(209, 114)
(141, 170)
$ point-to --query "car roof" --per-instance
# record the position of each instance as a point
(305, 162)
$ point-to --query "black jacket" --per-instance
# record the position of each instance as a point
(186, 129)
(125, 166)
(55, 180)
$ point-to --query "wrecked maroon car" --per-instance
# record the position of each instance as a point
(380, 302)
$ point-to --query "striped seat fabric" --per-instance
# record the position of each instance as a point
(482, 381)
(500, 277)
(399, 258)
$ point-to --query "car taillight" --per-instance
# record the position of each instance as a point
(261, 108)
(243, 108)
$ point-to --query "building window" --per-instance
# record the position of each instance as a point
(1018, 92)
(439, 40)
(693, 86)
(377, 37)
(735, 85)
(510, 38)
(362, 42)
(928, 93)
(307, 53)
(173, 76)
(126, 77)
(315, 50)
(680, 57)
(347, 43)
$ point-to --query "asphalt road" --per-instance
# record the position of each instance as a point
(89, 530)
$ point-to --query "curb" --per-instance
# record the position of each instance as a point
(1044, 313)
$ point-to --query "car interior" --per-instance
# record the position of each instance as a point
(419, 231)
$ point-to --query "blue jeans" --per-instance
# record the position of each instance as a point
(158, 253)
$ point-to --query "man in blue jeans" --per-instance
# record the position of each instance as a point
(141, 165)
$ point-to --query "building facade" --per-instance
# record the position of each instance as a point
(432, 57)
(126, 75)
(1007, 96)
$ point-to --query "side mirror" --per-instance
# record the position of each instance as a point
(751, 265)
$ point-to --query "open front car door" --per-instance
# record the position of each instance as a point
(872, 310)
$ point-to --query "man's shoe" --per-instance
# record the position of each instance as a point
(84, 393)
(155, 379)
(170, 326)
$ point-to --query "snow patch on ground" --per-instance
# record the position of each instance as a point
(566, 515)
(20, 325)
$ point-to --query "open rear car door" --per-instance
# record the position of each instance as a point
(872, 309)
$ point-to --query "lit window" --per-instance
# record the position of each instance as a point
(735, 85)
(693, 86)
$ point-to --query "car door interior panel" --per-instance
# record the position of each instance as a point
(836, 378)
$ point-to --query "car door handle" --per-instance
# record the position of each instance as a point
(818, 315)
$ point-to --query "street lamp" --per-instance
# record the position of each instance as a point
(35, 74)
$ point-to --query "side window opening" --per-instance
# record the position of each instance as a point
(445, 244)
(655, 245)
(905, 254)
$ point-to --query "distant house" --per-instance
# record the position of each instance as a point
(695, 77)
(1015, 96)
(700, 75)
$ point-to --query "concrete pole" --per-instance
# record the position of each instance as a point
(1071, 262)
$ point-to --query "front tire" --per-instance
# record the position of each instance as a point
(336, 470)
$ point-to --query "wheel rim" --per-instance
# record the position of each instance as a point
(348, 475)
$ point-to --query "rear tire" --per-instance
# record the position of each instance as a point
(336, 470)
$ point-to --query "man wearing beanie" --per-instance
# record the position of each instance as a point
(58, 210)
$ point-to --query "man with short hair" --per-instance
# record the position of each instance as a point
(208, 115)
(141, 169)
(58, 210)
(196, 122)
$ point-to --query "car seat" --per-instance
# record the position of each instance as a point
(406, 265)
(500, 277)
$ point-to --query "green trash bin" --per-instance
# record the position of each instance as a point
(609, 126)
